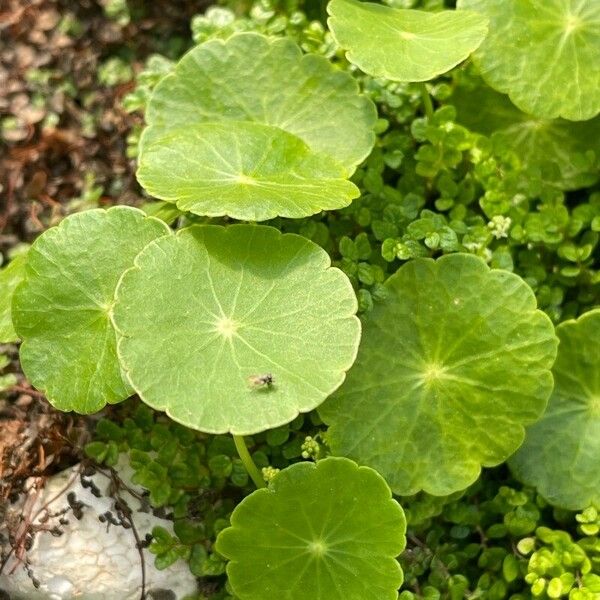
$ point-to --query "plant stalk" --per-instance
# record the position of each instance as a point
(255, 474)
(427, 103)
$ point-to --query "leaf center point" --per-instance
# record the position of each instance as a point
(226, 327)
(246, 180)
(572, 23)
(433, 372)
(318, 548)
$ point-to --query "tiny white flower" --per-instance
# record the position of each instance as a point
(499, 226)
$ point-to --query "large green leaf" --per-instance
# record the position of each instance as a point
(453, 365)
(252, 78)
(567, 153)
(229, 304)
(10, 277)
(401, 44)
(543, 53)
(256, 171)
(232, 131)
(61, 309)
(561, 453)
(326, 532)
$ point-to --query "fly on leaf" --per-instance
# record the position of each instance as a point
(265, 380)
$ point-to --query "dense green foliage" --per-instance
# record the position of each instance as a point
(456, 355)
(496, 540)
(431, 187)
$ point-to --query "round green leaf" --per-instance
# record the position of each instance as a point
(561, 453)
(453, 364)
(251, 78)
(324, 531)
(401, 44)
(543, 53)
(10, 277)
(567, 153)
(231, 304)
(256, 171)
(61, 309)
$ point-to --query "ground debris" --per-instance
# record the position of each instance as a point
(63, 130)
(36, 440)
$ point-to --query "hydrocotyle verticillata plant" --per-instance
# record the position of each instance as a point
(543, 54)
(404, 44)
(205, 310)
(240, 328)
(232, 131)
(320, 531)
(61, 310)
(561, 453)
(453, 364)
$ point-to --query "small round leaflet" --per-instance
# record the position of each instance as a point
(61, 310)
(561, 453)
(324, 531)
(404, 44)
(233, 128)
(543, 53)
(452, 366)
(231, 306)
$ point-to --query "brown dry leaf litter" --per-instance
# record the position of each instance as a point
(36, 441)
(59, 126)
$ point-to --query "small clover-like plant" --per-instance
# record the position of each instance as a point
(324, 531)
(235, 329)
(543, 54)
(561, 453)
(232, 131)
(453, 365)
(61, 310)
(404, 44)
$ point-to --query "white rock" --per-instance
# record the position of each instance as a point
(89, 560)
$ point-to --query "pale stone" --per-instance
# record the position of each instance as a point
(90, 560)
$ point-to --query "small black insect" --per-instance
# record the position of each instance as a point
(265, 380)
